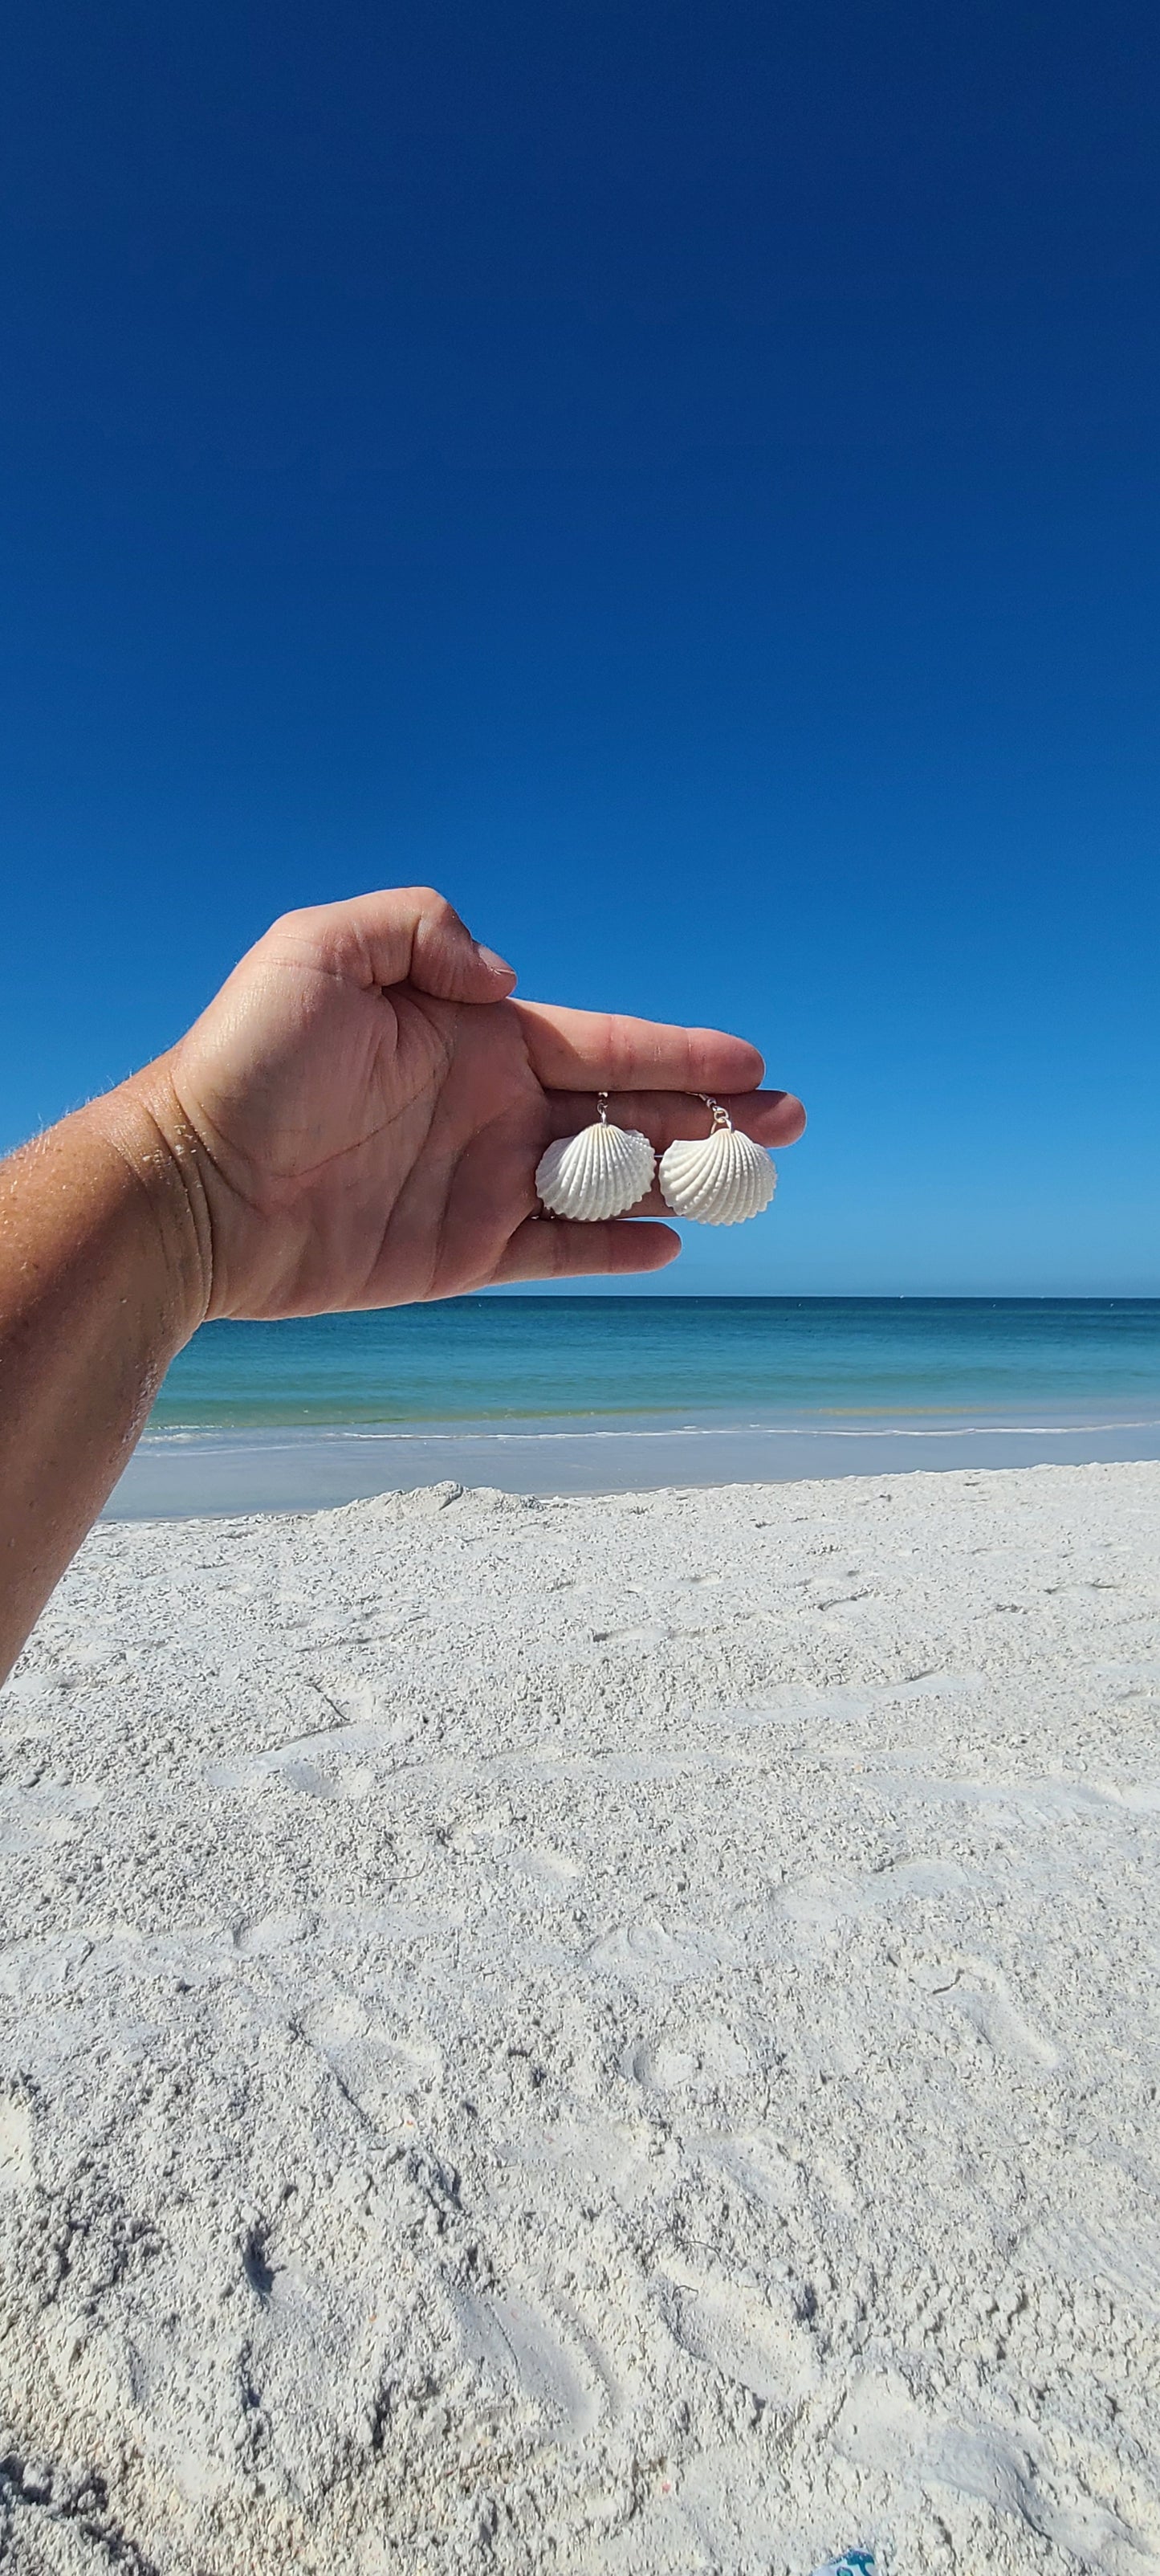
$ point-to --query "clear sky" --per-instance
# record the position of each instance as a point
(680, 478)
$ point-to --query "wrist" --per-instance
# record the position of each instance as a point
(143, 1124)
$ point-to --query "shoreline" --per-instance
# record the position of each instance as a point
(179, 1473)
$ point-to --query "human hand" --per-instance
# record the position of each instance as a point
(359, 1114)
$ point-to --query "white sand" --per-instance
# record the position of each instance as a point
(608, 2035)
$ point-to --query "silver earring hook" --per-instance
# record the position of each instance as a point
(602, 1107)
(721, 1117)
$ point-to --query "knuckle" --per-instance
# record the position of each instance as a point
(325, 935)
(304, 918)
(618, 1053)
(304, 936)
(434, 906)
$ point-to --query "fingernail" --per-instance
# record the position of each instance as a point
(499, 965)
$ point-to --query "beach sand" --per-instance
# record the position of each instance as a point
(606, 2035)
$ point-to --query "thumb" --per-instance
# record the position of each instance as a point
(405, 934)
(445, 959)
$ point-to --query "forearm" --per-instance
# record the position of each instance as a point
(103, 1276)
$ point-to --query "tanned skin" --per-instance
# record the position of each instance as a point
(355, 1121)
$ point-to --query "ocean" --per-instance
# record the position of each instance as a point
(588, 1394)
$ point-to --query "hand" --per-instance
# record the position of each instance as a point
(355, 1121)
(359, 1114)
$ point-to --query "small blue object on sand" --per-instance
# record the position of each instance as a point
(856, 2562)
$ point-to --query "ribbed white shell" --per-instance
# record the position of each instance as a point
(599, 1173)
(719, 1179)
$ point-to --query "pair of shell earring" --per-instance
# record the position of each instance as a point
(718, 1179)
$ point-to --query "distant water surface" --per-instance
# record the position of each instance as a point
(568, 1395)
(494, 1359)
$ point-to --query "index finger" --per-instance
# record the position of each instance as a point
(598, 1051)
(772, 1118)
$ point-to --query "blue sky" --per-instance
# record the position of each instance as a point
(682, 480)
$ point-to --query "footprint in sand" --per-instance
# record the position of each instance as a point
(751, 2339)
(978, 1992)
(259, 1939)
(694, 2056)
(647, 1953)
(536, 2359)
(551, 1870)
(880, 2427)
(820, 1905)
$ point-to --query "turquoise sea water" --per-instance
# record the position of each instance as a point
(560, 1395)
(491, 1359)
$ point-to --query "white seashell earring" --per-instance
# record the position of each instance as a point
(599, 1173)
(718, 1179)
